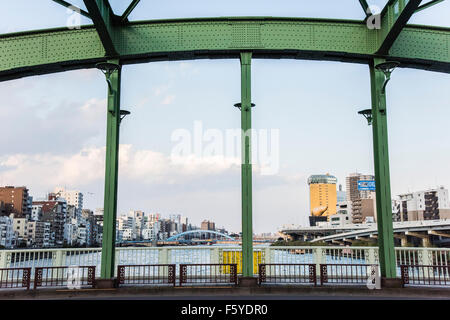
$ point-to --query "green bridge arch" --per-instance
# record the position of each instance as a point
(48, 51)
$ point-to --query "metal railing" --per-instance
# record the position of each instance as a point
(287, 273)
(159, 274)
(33, 258)
(71, 277)
(349, 274)
(207, 274)
(15, 278)
(420, 275)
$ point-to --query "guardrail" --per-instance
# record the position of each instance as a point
(71, 277)
(420, 275)
(15, 278)
(206, 274)
(287, 273)
(348, 274)
(159, 274)
(32, 258)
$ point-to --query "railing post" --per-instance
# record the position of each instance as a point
(405, 275)
(3, 258)
(267, 255)
(425, 257)
(120, 275)
(214, 255)
(318, 258)
(37, 277)
(58, 258)
(371, 256)
(164, 259)
(267, 259)
(26, 276)
(163, 256)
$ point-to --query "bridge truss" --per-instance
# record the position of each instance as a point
(114, 41)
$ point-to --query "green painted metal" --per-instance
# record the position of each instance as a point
(394, 18)
(48, 51)
(129, 10)
(111, 175)
(428, 5)
(73, 8)
(103, 17)
(382, 176)
(246, 167)
(364, 6)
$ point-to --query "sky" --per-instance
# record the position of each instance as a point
(53, 126)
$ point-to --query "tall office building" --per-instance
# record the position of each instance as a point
(362, 202)
(323, 197)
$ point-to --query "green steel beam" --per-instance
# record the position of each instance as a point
(365, 6)
(246, 167)
(104, 19)
(382, 176)
(48, 51)
(427, 5)
(394, 18)
(111, 175)
(73, 8)
(127, 12)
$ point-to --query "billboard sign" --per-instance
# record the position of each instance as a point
(366, 185)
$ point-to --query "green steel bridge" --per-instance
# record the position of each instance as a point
(113, 41)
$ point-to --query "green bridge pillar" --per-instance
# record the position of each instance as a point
(382, 177)
(111, 173)
(246, 125)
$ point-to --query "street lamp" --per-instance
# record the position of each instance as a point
(239, 106)
(367, 113)
(387, 68)
(107, 68)
(123, 114)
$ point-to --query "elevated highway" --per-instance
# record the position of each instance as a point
(428, 232)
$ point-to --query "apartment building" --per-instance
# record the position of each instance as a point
(431, 204)
(16, 200)
(362, 203)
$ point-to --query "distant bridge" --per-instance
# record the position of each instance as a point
(423, 230)
(219, 234)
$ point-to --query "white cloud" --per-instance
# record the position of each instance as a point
(87, 165)
(168, 99)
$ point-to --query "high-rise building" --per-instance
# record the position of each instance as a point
(362, 202)
(72, 197)
(322, 195)
(432, 204)
(16, 201)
